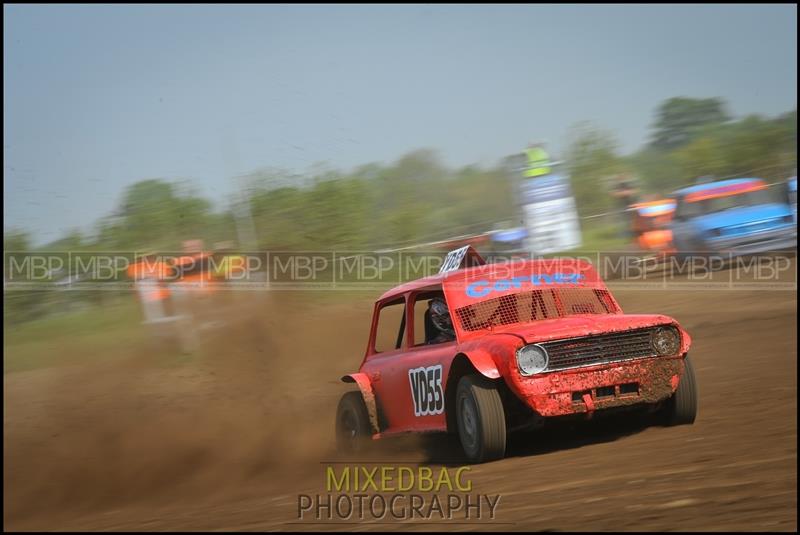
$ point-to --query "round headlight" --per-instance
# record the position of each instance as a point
(665, 341)
(531, 359)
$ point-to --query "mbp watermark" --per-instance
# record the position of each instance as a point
(377, 271)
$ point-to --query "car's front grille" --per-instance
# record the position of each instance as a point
(599, 349)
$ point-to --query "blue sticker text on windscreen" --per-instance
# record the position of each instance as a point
(483, 288)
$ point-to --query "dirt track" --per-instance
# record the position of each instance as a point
(227, 440)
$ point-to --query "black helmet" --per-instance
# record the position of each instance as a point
(440, 316)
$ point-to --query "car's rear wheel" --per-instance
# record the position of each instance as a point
(352, 424)
(681, 408)
(481, 419)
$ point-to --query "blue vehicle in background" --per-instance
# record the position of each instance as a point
(738, 216)
(791, 187)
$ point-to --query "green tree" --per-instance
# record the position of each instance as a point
(758, 147)
(73, 241)
(679, 119)
(159, 214)
(659, 172)
(592, 163)
(702, 157)
(16, 240)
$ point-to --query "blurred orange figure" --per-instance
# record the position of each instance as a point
(651, 222)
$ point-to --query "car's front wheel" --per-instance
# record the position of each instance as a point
(481, 419)
(681, 408)
(352, 424)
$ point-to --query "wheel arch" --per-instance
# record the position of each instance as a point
(463, 365)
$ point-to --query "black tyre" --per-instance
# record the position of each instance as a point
(353, 432)
(682, 406)
(481, 419)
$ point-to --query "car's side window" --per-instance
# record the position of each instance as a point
(390, 333)
(685, 210)
(424, 331)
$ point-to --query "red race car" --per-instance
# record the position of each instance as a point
(485, 349)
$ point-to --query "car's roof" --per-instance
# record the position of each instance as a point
(655, 208)
(487, 270)
(720, 184)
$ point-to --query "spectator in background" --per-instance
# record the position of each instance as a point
(537, 160)
(625, 192)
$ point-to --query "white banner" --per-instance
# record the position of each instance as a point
(551, 218)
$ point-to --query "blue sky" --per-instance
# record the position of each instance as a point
(98, 97)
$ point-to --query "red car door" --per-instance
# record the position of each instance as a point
(409, 382)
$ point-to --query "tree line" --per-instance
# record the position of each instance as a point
(418, 198)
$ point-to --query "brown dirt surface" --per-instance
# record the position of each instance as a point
(226, 439)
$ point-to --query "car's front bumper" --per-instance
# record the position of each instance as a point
(582, 390)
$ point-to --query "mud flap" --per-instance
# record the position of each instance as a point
(369, 398)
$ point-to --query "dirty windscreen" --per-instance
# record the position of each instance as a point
(533, 305)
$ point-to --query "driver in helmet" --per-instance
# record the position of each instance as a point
(440, 318)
